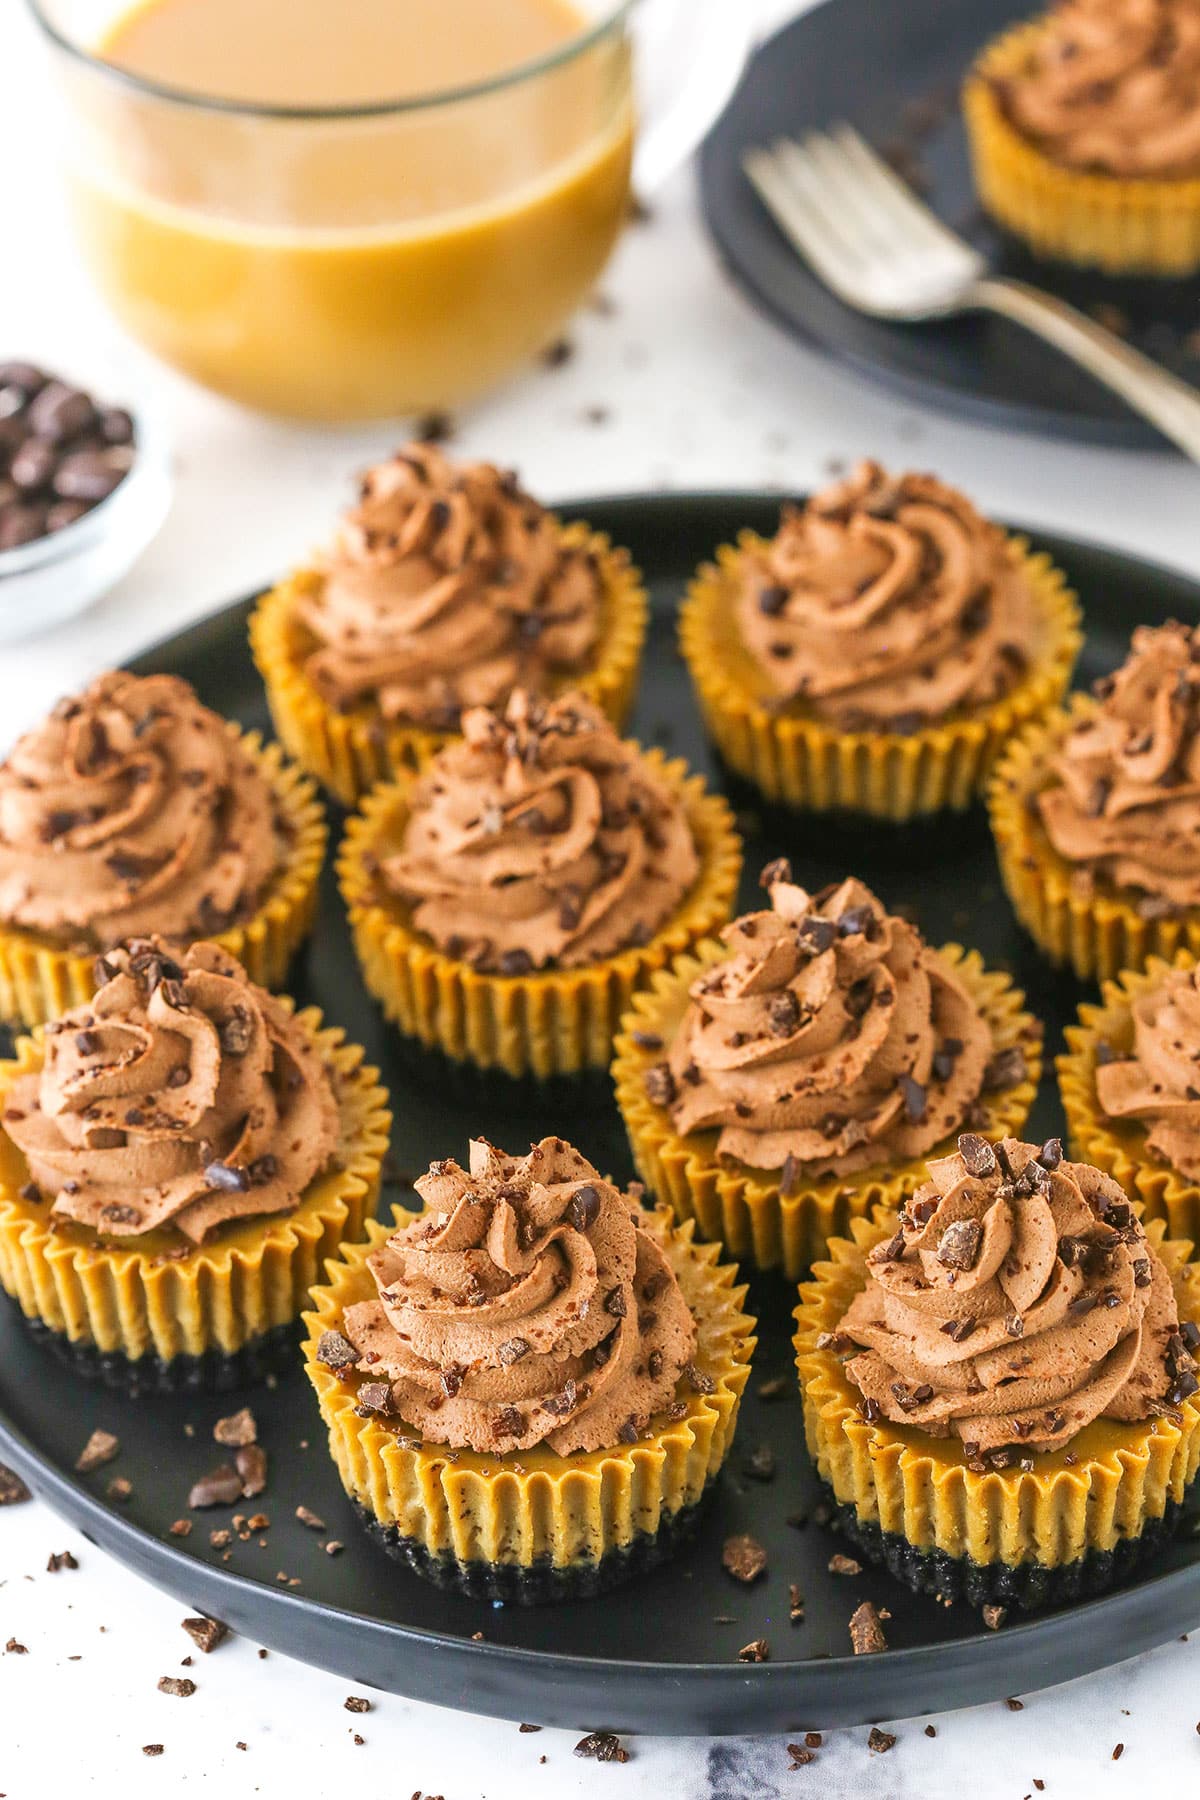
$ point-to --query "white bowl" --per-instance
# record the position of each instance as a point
(55, 577)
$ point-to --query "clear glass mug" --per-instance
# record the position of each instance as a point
(361, 262)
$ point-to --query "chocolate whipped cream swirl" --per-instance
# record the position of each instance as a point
(1018, 1300)
(525, 1306)
(831, 1039)
(1158, 1083)
(446, 587)
(887, 603)
(541, 840)
(182, 1095)
(1114, 86)
(1124, 799)
(133, 808)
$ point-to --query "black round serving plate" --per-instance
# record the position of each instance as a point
(894, 71)
(661, 1654)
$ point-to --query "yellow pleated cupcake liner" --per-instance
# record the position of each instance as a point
(1118, 1146)
(744, 1208)
(40, 981)
(1125, 226)
(349, 752)
(534, 1506)
(551, 1021)
(904, 1482)
(145, 1299)
(800, 761)
(1093, 928)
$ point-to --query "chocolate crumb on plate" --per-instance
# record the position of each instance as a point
(238, 1429)
(795, 1604)
(844, 1565)
(220, 1487)
(308, 1517)
(251, 1464)
(181, 1686)
(152, 1749)
(206, 1633)
(866, 1632)
(602, 1746)
(529, 1728)
(743, 1557)
(775, 1387)
(756, 1651)
(100, 1448)
(799, 1755)
(760, 1464)
(356, 1703)
(14, 1648)
(1014, 1705)
(12, 1489)
(931, 1731)
(994, 1616)
(119, 1488)
(60, 1559)
(880, 1741)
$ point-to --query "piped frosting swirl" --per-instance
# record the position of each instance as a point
(832, 1038)
(525, 1306)
(1123, 801)
(1018, 1300)
(1113, 86)
(132, 808)
(886, 603)
(1158, 1083)
(542, 839)
(446, 587)
(182, 1095)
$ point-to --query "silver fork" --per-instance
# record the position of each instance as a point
(884, 253)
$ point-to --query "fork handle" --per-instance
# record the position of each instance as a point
(1169, 403)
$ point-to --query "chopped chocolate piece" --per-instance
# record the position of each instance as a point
(12, 1489)
(857, 920)
(251, 1461)
(182, 1686)
(1014, 1325)
(702, 1383)
(815, 934)
(645, 1040)
(799, 1757)
(602, 1746)
(220, 1487)
(783, 1014)
(374, 1397)
(1014, 1705)
(206, 1634)
(100, 1448)
(778, 870)
(866, 1632)
(1006, 1069)
(844, 1565)
(756, 1651)
(914, 1097)
(335, 1351)
(880, 1741)
(238, 1429)
(152, 1749)
(514, 1349)
(958, 1247)
(760, 1464)
(1051, 1153)
(226, 1178)
(660, 1084)
(771, 601)
(743, 1557)
(60, 1559)
(979, 1158)
(583, 1208)
(891, 1251)
(355, 1703)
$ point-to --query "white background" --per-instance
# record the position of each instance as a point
(700, 392)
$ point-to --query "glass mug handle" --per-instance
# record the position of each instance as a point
(690, 55)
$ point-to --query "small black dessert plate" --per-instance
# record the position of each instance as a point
(895, 73)
(661, 1654)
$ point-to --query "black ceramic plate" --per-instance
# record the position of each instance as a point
(894, 72)
(661, 1655)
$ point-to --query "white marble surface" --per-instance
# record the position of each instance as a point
(700, 392)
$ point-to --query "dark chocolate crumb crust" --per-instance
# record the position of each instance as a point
(1026, 1585)
(538, 1583)
(213, 1373)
